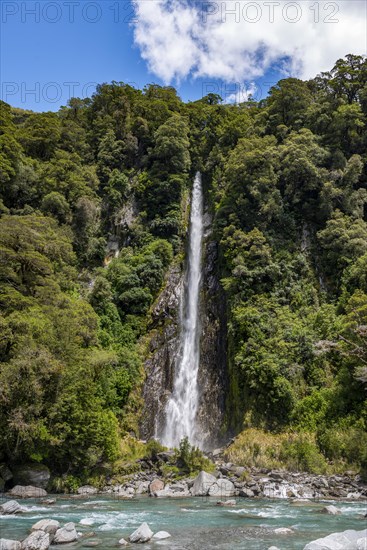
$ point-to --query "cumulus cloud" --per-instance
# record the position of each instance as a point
(239, 41)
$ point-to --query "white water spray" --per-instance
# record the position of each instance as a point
(182, 407)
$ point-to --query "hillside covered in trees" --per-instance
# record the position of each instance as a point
(286, 184)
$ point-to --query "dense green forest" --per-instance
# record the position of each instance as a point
(286, 182)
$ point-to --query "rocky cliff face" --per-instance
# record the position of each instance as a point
(163, 348)
(159, 366)
(212, 373)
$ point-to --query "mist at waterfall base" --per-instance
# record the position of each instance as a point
(182, 406)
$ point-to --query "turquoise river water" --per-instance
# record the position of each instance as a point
(194, 523)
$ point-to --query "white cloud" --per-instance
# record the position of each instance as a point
(238, 41)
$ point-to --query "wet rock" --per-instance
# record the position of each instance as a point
(283, 531)
(38, 540)
(332, 510)
(27, 491)
(48, 501)
(47, 525)
(273, 548)
(142, 487)
(202, 484)
(161, 535)
(223, 488)
(142, 534)
(87, 490)
(66, 534)
(347, 540)
(91, 544)
(226, 503)
(123, 542)
(247, 493)
(8, 544)
(36, 475)
(11, 507)
(156, 485)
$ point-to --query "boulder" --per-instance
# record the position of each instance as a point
(38, 540)
(166, 456)
(11, 507)
(142, 487)
(226, 503)
(27, 491)
(347, 540)
(248, 493)
(7, 544)
(48, 525)
(283, 531)
(66, 534)
(332, 510)
(362, 543)
(87, 490)
(142, 534)
(202, 483)
(123, 542)
(161, 535)
(222, 488)
(37, 475)
(156, 485)
(48, 501)
(273, 548)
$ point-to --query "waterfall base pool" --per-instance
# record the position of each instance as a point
(194, 523)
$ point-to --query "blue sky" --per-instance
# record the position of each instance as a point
(51, 50)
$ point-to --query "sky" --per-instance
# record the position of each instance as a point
(52, 50)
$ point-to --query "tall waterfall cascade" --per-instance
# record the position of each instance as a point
(183, 404)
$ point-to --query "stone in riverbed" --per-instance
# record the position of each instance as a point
(11, 507)
(66, 534)
(273, 548)
(347, 540)
(47, 525)
(283, 531)
(226, 503)
(332, 510)
(141, 534)
(123, 542)
(27, 491)
(48, 501)
(38, 540)
(161, 535)
(87, 490)
(222, 488)
(202, 483)
(8, 544)
(155, 486)
(248, 493)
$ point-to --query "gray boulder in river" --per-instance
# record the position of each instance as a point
(7, 544)
(66, 534)
(347, 540)
(27, 491)
(202, 484)
(142, 534)
(38, 540)
(11, 507)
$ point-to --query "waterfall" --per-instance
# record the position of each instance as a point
(182, 406)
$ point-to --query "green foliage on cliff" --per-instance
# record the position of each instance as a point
(286, 182)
